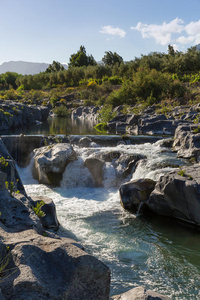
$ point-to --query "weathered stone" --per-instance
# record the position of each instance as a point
(47, 268)
(140, 293)
(187, 141)
(51, 161)
(14, 114)
(177, 195)
(50, 219)
(135, 192)
(16, 212)
(95, 166)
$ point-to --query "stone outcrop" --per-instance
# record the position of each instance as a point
(51, 161)
(50, 268)
(14, 114)
(140, 293)
(187, 141)
(177, 195)
(86, 112)
(135, 193)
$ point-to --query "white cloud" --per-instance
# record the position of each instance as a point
(113, 31)
(183, 40)
(161, 33)
(193, 28)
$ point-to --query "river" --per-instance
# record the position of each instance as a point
(157, 253)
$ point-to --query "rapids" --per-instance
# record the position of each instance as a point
(154, 252)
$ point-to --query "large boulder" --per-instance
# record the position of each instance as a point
(187, 141)
(140, 293)
(51, 161)
(135, 193)
(49, 268)
(177, 195)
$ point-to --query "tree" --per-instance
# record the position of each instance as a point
(81, 59)
(54, 67)
(111, 58)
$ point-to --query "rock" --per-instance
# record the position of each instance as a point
(168, 143)
(95, 166)
(85, 142)
(51, 161)
(1, 295)
(9, 171)
(21, 147)
(135, 192)
(50, 219)
(164, 127)
(14, 114)
(177, 195)
(140, 293)
(47, 268)
(187, 141)
(16, 212)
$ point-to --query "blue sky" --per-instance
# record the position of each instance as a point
(47, 30)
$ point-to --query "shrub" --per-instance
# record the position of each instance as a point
(106, 113)
(61, 111)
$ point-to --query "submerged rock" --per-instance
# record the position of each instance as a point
(135, 193)
(140, 293)
(177, 195)
(51, 161)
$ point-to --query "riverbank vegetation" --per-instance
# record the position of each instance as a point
(172, 78)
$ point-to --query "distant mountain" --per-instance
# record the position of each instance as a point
(24, 68)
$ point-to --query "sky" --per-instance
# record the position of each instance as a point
(47, 30)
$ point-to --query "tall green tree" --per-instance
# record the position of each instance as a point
(111, 58)
(54, 67)
(81, 59)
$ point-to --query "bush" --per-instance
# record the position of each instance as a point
(61, 111)
(106, 113)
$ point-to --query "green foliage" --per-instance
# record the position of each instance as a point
(54, 67)
(181, 172)
(106, 113)
(61, 111)
(5, 256)
(81, 58)
(111, 58)
(10, 186)
(101, 127)
(3, 162)
(196, 130)
(38, 209)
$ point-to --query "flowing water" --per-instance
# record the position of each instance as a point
(154, 252)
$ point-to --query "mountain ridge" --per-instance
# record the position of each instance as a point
(24, 67)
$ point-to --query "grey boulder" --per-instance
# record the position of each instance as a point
(140, 293)
(135, 193)
(177, 195)
(50, 162)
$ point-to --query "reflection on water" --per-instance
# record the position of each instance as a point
(55, 125)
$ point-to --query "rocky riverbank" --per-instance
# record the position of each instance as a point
(14, 114)
(151, 121)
